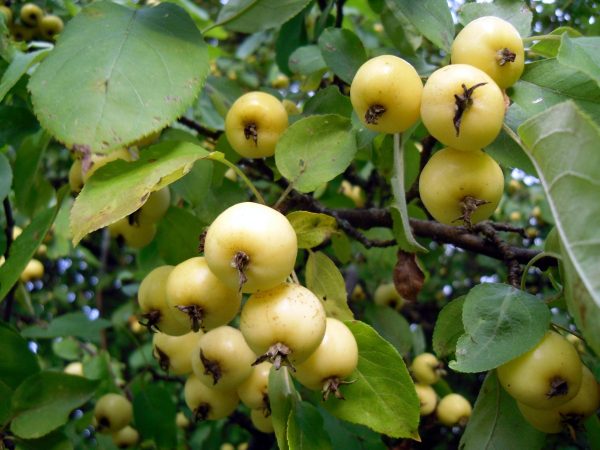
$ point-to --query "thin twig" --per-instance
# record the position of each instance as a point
(10, 225)
(339, 13)
(214, 135)
(104, 251)
(514, 267)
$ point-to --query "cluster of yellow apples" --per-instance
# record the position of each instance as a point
(553, 389)
(251, 249)
(32, 23)
(462, 105)
(453, 409)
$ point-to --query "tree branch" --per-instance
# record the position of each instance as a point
(214, 135)
(10, 225)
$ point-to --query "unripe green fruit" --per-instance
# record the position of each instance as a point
(51, 26)
(31, 14)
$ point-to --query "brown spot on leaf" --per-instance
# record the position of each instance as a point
(408, 277)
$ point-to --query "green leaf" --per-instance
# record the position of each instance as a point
(581, 54)
(305, 428)
(74, 324)
(6, 177)
(448, 328)
(6, 396)
(17, 123)
(312, 229)
(118, 74)
(44, 401)
(343, 52)
(25, 245)
(401, 31)
(391, 325)
(18, 67)
(315, 150)
(282, 398)
(328, 101)
(291, 36)
(17, 362)
(497, 423)
(350, 436)
(324, 279)
(383, 396)
(154, 412)
(250, 16)
(549, 48)
(431, 17)
(306, 60)
(548, 82)
(515, 12)
(120, 188)
(500, 323)
(57, 440)
(563, 143)
(32, 191)
(178, 235)
(399, 211)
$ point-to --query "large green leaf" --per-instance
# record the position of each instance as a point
(582, 54)
(515, 12)
(549, 47)
(154, 411)
(497, 423)
(17, 361)
(328, 101)
(25, 245)
(250, 16)
(75, 324)
(315, 150)
(119, 188)
(44, 401)
(431, 17)
(563, 143)
(57, 440)
(324, 279)
(343, 52)
(18, 67)
(391, 325)
(548, 82)
(500, 323)
(118, 74)
(17, 123)
(305, 428)
(306, 60)
(448, 328)
(383, 396)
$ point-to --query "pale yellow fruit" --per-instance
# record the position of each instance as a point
(209, 302)
(74, 368)
(483, 115)
(572, 413)
(221, 359)
(50, 26)
(135, 235)
(427, 398)
(181, 420)
(156, 206)
(492, 45)
(547, 376)
(386, 94)
(426, 368)
(174, 352)
(261, 420)
(207, 403)
(254, 391)
(34, 270)
(454, 409)
(452, 178)
(261, 236)
(254, 124)
(334, 359)
(98, 161)
(386, 294)
(112, 412)
(152, 297)
(288, 315)
(126, 437)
